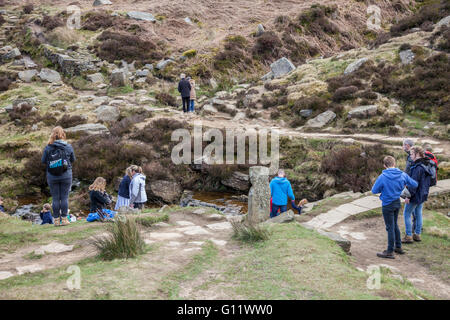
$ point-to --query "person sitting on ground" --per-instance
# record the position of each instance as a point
(123, 198)
(184, 88)
(421, 171)
(2, 209)
(99, 198)
(391, 184)
(46, 214)
(138, 196)
(280, 190)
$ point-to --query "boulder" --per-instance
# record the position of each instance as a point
(443, 22)
(98, 101)
(306, 113)
(162, 64)
(238, 181)
(101, 3)
(12, 54)
(281, 67)
(213, 83)
(139, 15)
(119, 78)
(27, 75)
(209, 109)
(355, 65)
(107, 113)
(142, 73)
(88, 128)
(167, 191)
(267, 77)
(363, 112)
(284, 217)
(259, 30)
(149, 66)
(321, 120)
(239, 116)
(49, 75)
(71, 66)
(259, 195)
(95, 78)
(406, 56)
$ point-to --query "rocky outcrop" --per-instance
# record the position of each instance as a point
(88, 128)
(95, 78)
(284, 217)
(281, 67)
(238, 181)
(107, 113)
(406, 56)
(70, 66)
(50, 75)
(167, 191)
(144, 16)
(352, 67)
(10, 54)
(209, 109)
(27, 75)
(259, 195)
(321, 120)
(363, 112)
(163, 64)
(101, 3)
(119, 78)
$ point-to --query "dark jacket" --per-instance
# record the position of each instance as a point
(2, 209)
(421, 172)
(70, 157)
(409, 163)
(184, 87)
(99, 200)
(46, 217)
(124, 187)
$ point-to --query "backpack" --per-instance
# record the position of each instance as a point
(433, 163)
(56, 161)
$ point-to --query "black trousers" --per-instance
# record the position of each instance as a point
(186, 101)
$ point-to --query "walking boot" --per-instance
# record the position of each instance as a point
(416, 237)
(57, 221)
(386, 254)
(65, 221)
(407, 239)
(399, 251)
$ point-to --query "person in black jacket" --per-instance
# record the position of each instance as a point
(60, 183)
(98, 196)
(184, 88)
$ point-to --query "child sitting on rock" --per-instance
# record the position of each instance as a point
(46, 214)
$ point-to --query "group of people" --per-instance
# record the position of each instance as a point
(186, 87)
(413, 185)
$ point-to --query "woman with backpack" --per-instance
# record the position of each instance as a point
(58, 156)
(421, 172)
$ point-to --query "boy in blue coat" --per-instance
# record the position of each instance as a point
(391, 184)
(280, 190)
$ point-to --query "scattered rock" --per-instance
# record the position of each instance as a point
(142, 73)
(209, 109)
(107, 113)
(284, 217)
(238, 181)
(12, 54)
(363, 112)
(144, 16)
(88, 128)
(165, 235)
(5, 275)
(162, 64)
(119, 78)
(281, 67)
(27, 75)
(53, 247)
(95, 78)
(268, 76)
(355, 65)
(149, 66)
(406, 56)
(49, 75)
(69, 65)
(213, 83)
(98, 101)
(260, 30)
(321, 120)
(239, 116)
(101, 3)
(29, 269)
(188, 20)
(443, 22)
(306, 113)
(167, 191)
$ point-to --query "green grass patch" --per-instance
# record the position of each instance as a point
(119, 91)
(148, 221)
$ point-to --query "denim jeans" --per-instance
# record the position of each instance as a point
(275, 208)
(390, 215)
(186, 101)
(192, 105)
(60, 196)
(414, 209)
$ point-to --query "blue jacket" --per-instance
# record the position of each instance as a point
(124, 187)
(391, 184)
(2, 209)
(421, 172)
(280, 189)
(46, 217)
(69, 155)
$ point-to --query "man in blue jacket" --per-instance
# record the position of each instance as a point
(391, 184)
(421, 172)
(280, 190)
(184, 88)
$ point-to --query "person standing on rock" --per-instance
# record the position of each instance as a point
(421, 171)
(184, 88)
(407, 145)
(280, 190)
(193, 96)
(138, 196)
(123, 198)
(391, 184)
(58, 156)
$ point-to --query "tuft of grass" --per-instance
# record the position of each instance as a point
(124, 241)
(148, 221)
(249, 233)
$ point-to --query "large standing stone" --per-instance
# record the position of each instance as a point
(101, 3)
(27, 75)
(168, 191)
(281, 67)
(406, 56)
(355, 65)
(107, 113)
(321, 120)
(238, 181)
(138, 15)
(119, 78)
(49, 75)
(259, 195)
(363, 112)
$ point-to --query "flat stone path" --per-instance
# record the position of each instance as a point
(342, 212)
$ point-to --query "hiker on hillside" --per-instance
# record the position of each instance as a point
(184, 88)
(46, 214)
(138, 196)
(123, 198)
(391, 184)
(98, 196)
(280, 190)
(421, 171)
(193, 96)
(58, 156)
(2, 209)
(407, 145)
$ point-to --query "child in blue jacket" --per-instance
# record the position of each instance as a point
(391, 184)
(46, 214)
(280, 190)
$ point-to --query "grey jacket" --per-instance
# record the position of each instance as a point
(137, 189)
(409, 163)
(70, 159)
